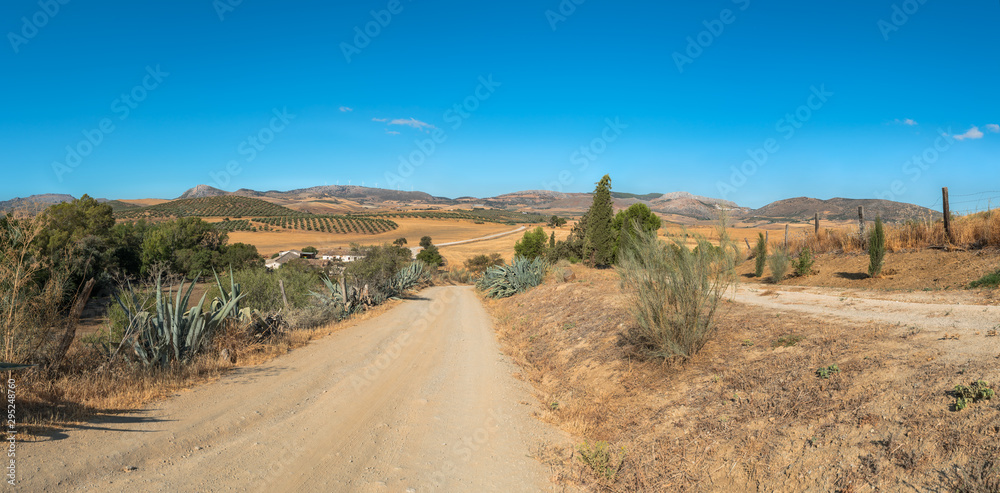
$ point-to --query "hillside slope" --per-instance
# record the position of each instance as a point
(836, 209)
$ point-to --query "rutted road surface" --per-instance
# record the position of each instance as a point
(417, 399)
(920, 310)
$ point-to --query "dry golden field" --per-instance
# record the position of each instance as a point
(440, 230)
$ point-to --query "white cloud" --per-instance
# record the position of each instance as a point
(412, 122)
(392, 132)
(380, 119)
(345, 109)
(972, 133)
(993, 127)
(907, 121)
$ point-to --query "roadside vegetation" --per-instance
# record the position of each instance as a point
(185, 305)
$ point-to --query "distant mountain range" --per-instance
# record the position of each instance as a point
(675, 205)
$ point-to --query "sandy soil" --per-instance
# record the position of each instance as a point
(418, 399)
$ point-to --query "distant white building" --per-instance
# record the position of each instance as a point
(343, 255)
(287, 256)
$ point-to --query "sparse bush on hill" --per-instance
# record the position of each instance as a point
(778, 263)
(480, 263)
(803, 265)
(673, 292)
(760, 255)
(876, 249)
(507, 280)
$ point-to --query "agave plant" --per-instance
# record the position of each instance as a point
(172, 334)
(507, 280)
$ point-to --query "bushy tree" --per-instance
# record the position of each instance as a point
(532, 244)
(241, 256)
(187, 245)
(310, 249)
(399, 242)
(625, 223)
(599, 239)
(431, 256)
(425, 241)
(557, 222)
(876, 249)
(378, 266)
(803, 266)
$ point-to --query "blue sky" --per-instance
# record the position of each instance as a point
(749, 100)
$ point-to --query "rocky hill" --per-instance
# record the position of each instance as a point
(805, 208)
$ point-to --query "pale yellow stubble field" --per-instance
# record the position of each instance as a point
(440, 231)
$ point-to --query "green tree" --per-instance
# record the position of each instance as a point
(431, 256)
(399, 242)
(599, 239)
(876, 249)
(760, 255)
(532, 244)
(556, 221)
(625, 221)
(310, 249)
(552, 240)
(425, 241)
(241, 256)
(378, 266)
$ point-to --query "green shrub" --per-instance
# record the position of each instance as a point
(507, 280)
(431, 256)
(532, 244)
(977, 391)
(480, 263)
(876, 249)
(778, 262)
(826, 371)
(803, 266)
(601, 459)
(673, 292)
(760, 255)
(990, 280)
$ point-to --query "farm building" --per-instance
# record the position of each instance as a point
(343, 255)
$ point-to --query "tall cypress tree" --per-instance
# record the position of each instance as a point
(599, 242)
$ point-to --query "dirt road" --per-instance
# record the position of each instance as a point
(954, 318)
(417, 399)
(417, 249)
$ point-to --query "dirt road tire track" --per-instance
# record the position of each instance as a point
(417, 399)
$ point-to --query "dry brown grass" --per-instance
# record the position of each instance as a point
(743, 415)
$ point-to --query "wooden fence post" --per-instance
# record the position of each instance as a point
(816, 224)
(947, 215)
(281, 286)
(786, 237)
